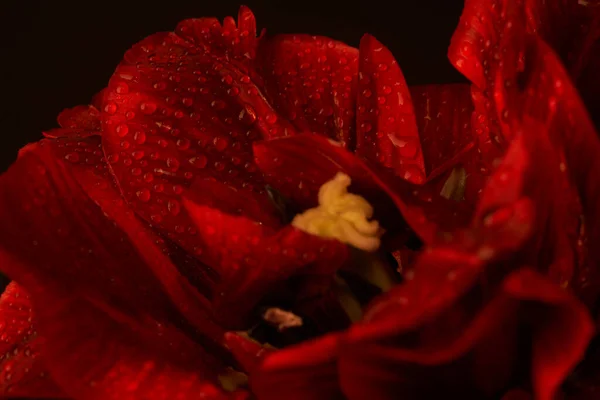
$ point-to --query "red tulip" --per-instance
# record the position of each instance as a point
(156, 222)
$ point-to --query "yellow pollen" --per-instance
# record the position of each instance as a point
(454, 187)
(341, 215)
(231, 380)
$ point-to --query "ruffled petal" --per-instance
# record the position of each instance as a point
(165, 126)
(306, 371)
(104, 279)
(96, 352)
(547, 97)
(77, 122)
(561, 329)
(485, 351)
(386, 130)
(311, 80)
(229, 41)
(572, 30)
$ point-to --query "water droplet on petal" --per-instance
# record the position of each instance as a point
(248, 115)
(122, 130)
(143, 195)
(173, 164)
(148, 108)
(122, 88)
(72, 157)
(139, 137)
(174, 207)
(271, 118)
(111, 108)
(200, 161)
(220, 143)
(407, 147)
(413, 174)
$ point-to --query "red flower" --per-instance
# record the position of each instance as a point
(156, 220)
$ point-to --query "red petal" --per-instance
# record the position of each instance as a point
(387, 131)
(162, 129)
(253, 258)
(98, 287)
(98, 356)
(57, 231)
(562, 329)
(81, 117)
(77, 122)
(485, 346)
(23, 373)
(223, 197)
(488, 36)
(443, 115)
(306, 371)
(246, 351)
(549, 98)
(312, 82)
(571, 28)
(229, 41)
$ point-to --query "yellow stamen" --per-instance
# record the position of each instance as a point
(454, 187)
(373, 269)
(232, 379)
(347, 299)
(341, 215)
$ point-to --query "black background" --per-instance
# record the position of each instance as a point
(57, 54)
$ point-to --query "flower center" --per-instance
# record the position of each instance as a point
(341, 215)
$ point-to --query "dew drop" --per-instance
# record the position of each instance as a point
(111, 108)
(247, 115)
(183, 143)
(413, 174)
(199, 162)
(122, 88)
(148, 177)
(218, 104)
(271, 118)
(407, 147)
(173, 164)
(220, 143)
(72, 157)
(139, 137)
(122, 130)
(148, 108)
(143, 195)
(174, 207)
